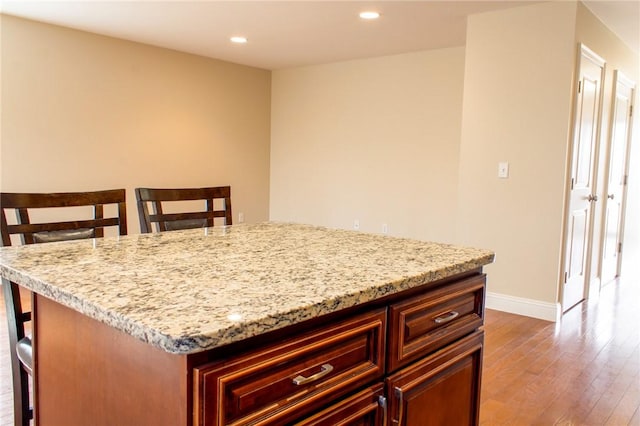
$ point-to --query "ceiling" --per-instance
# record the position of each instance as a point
(284, 34)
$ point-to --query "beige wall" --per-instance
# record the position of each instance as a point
(516, 108)
(593, 34)
(374, 140)
(413, 126)
(83, 112)
(519, 75)
(410, 140)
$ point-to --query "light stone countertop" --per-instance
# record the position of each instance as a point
(189, 291)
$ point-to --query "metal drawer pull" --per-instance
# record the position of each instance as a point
(382, 402)
(447, 317)
(301, 380)
(400, 397)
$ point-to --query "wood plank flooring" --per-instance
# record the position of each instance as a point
(584, 370)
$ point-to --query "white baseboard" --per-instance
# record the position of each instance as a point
(521, 306)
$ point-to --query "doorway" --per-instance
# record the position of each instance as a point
(582, 191)
(617, 175)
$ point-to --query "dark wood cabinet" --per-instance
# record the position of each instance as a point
(282, 382)
(441, 389)
(366, 408)
(424, 323)
(414, 360)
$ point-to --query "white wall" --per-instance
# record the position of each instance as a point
(375, 140)
(84, 112)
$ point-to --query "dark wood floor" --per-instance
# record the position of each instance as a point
(584, 370)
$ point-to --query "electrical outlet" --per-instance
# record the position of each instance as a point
(356, 225)
(240, 217)
(385, 228)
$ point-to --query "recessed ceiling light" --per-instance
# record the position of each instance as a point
(369, 15)
(238, 39)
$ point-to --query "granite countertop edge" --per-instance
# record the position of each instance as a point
(166, 293)
(183, 345)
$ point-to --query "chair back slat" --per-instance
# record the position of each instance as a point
(61, 199)
(30, 228)
(164, 217)
(150, 208)
(98, 213)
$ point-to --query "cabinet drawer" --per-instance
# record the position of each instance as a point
(366, 408)
(289, 380)
(425, 323)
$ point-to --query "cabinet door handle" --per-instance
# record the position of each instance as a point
(400, 397)
(382, 402)
(446, 317)
(325, 369)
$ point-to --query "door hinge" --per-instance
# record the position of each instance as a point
(625, 180)
(565, 277)
(630, 110)
(619, 247)
(572, 181)
(579, 86)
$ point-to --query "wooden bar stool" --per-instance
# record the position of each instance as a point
(42, 232)
(185, 220)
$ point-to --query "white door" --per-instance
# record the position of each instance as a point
(620, 136)
(582, 195)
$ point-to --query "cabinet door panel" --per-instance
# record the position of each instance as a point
(366, 408)
(441, 389)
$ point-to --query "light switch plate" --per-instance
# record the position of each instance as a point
(503, 169)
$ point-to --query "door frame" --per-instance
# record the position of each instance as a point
(618, 77)
(582, 52)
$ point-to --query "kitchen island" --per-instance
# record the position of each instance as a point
(251, 324)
